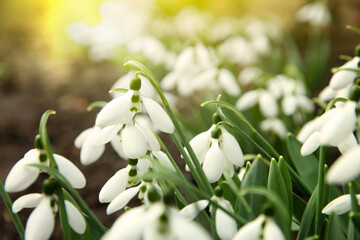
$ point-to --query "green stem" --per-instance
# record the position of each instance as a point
(15, 218)
(148, 74)
(63, 215)
(45, 138)
(319, 200)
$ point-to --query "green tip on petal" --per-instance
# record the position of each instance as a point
(135, 84)
(132, 161)
(153, 195)
(215, 133)
(49, 186)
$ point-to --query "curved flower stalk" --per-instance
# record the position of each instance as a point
(335, 127)
(22, 176)
(263, 227)
(340, 205)
(155, 221)
(41, 221)
(316, 13)
(217, 151)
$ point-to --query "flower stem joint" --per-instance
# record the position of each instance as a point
(49, 186)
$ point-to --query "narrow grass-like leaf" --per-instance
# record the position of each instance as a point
(308, 217)
(287, 180)
(333, 231)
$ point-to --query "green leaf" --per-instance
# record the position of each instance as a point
(353, 28)
(307, 166)
(308, 217)
(355, 218)
(287, 180)
(333, 231)
(256, 176)
(300, 206)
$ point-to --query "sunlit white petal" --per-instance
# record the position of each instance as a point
(70, 172)
(339, 205)
(272, 231)
(193, 209)
(248, 100)
(252, 230)
(231, 148)
(158, 115)
(27, 201)
(214, 162)
(75, 218)
(311, 144)
(133, 142)
(122, 199)
(114, 186)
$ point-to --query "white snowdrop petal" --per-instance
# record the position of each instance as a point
(231, 148)
(226, 226)
(152, 143)
(289, 104)
(133, 142)
(27, 201)
(152, 232)
(40, 223)
(122, 200)
(184, 229)
(247, 100)
(268, 104)
(337, 128)
(306, 131)
(117, 111)
(327, 94)
(193, 209)
(169, 81)
(106, 134)
(311, 144)
(214, 162)
(21, 176)
(348, 143)
(343, 78)
(272, 231)
(305, 103)
(163, 160)
(345, 168)
(79, 140)
(158, 115)
(114, 186)
(339, 205)
(252, 230)
(117, 145)
(200, 144)
(75, 218)
(70, 172)
(228, 82)
(89, 152)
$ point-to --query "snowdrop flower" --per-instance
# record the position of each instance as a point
(194, 68)
(155, 221)
(335, 127)
(122, 110)
(217, 151)
(274, 125)
(343, 78)
(41, 221)
(267, 102)
(339, 205)
(238, 50)
(315, 13)
(122, 179)
(348, 163)
(249, 75)
(263, 227)
(21, 176)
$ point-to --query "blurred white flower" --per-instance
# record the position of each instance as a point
(21, 176)
(249, 75)
(262, 228)
(225, 225)
(343, 78)
(41, 221)
(217, 152)
(339, 205)
(155, 221)
(335, 127)
(315, 13)
(346, 167)
(274, 125)
(238, 50)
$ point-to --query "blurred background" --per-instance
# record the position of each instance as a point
(52, 57)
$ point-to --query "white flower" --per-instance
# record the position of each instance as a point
(155, 221)
(274, 125)
(345, 168)
(315, 13)
(41, 222)
(335, 127)
(267, 102)
(342, 77)
(340, 205)
(21, 176)
(122, 110)
(225, 225)
(262, 227)
(249, 75)
(238, 50)
(217, 153)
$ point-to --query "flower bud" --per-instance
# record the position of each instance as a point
(268, 210)
(132, 172)
(153, 195)
(135, 84)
